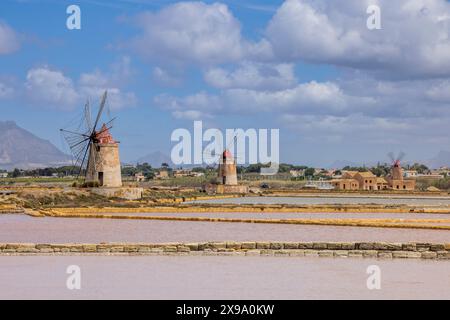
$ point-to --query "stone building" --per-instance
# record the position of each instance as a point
(104, 162)
(354, 180)
(367, 180)
(161, 175)
(382, 183)
(345, 184)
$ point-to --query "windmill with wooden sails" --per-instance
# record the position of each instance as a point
(95, 152)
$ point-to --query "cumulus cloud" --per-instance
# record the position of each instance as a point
(414, 40)
(9, 41)
(392, 81)
(312, 97)
(252, 75)
(194, 32)
(192, 107)
(49, 87)
(358, 129)
(164, 78)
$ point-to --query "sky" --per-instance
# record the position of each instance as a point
(335, 89)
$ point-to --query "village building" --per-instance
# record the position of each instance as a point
(382, 183)
(186, 173)
(354, 180)
(367, 180)
(297, 173)
(345, 184)
(161, 175)
(410, 173)
(139, 177)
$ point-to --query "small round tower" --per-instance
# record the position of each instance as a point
(397, 171)
(227, 169)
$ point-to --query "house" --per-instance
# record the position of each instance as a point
(345, 184)
(410, 173)
(181, 173)
(297, 173)
(139, 177)
(161, 175)
(367, 180)
(382, 183)
(354, 180)
(3, 174)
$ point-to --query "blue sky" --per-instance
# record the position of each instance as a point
(336, 90)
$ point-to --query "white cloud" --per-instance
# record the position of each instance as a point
(251, 75)
(95, 83)
(414, 39)
(194, 32)
(312, 97)
(9, 41)
(162, 77)
(51, 87)
(48, 87)
(196, 106)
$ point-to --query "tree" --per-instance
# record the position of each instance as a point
(16, 173)
(310, 172)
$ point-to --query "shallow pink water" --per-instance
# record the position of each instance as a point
(221, 278)
(293, 215)
(20, 228)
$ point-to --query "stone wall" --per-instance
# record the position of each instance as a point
(382, 250)
(127, 193)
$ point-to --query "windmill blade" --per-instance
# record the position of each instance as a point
(91, 162)
(84, 159)
(401, 156)
(100, 111)
(391, 156)
(74, 133)
(87, 116)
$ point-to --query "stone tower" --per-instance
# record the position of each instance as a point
(227, 169)
(397, 171)
(104, 162)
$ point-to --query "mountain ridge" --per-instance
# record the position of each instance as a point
(21, 149)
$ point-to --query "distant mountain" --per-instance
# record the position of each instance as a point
(21, 149)
(442, 159)
(155, 159)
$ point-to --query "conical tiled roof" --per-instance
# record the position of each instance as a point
(104, 136)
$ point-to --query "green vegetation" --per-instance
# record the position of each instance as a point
(442, 184)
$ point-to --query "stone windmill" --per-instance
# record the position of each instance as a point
(227, 169)
(95, 152)
(396, 168)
